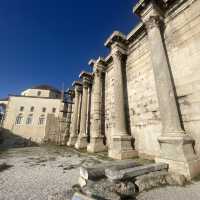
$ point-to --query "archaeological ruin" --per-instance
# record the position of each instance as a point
(143, 99)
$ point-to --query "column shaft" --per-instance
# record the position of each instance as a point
(165, 90)
(74, 128)
(82, 138)
(96, 138)
(121, 145)
(119, 105)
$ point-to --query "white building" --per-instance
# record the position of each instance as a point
(26, 114)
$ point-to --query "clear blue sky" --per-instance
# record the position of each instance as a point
(51, 41)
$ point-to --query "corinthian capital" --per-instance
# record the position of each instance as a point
(118, 51)
(77, 86)
(98, 65)
(86, 78)
(152, 22)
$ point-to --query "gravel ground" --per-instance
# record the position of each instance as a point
(40, 173)
(48, 173)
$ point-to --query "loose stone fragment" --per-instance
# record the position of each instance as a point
(125, 189)
(175, 179)
(82, 182)
(78, 196)
(151, 180)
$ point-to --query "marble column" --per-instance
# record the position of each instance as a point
(121, 146)
(176, 146)
(70, 94)
(81, 142)
(75, 123)
(96, 137)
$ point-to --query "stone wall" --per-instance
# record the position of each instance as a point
(182, 38)
(143, 106)
(109, 100)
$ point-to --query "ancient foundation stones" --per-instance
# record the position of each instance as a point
(99, 170)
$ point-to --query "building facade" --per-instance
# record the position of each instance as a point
(143, 99)
(27, 114)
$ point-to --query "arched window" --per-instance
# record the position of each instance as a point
(44, 109)
(41, 120)
(32, 109)
(53, 110)
(38, 93)
(22, 108)
(19, 119)
(29, 119)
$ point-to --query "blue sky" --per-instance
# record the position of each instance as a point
(51, 41)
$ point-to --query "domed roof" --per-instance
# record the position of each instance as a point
(46, 87)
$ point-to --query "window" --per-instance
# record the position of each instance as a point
(44, 109)
(29, 119)
(41, 120)
(19, 119)
(32, 109)
(22, 108)
(39, 93)
(54, 110)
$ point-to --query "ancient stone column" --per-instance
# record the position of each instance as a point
(96, 137)
(176, 146)
(121, 147)
(82, 138)
(69, 115)
(74, 129)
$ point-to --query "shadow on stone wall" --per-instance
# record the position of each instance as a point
(10, 140)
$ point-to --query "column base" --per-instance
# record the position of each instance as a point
(72, 141)
(121, 148)
(65, 139)
(81, 143)
(96, 145)
(178, 152)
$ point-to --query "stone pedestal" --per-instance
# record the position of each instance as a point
(75, 119)
(96, 138)
(178, 152)
(121, 146)
(96, 145)
(176, 147)
(82, 138)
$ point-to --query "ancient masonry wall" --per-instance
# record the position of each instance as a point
(109, 101)
(182, 40)
(182, 36)
(143, 106)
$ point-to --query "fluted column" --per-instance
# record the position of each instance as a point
(96, 137)
(82, 138)
(69, 115)
(121, 146)
(176, 146)
(74, 129)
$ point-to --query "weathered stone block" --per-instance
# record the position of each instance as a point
(99, 170)
(149, 181)
(134, 172)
